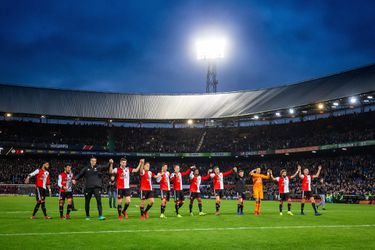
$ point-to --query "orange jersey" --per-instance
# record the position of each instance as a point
(258, 180)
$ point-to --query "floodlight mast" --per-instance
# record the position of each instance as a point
(211, 81)
(211, 50)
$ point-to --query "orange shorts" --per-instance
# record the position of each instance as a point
(258, 193)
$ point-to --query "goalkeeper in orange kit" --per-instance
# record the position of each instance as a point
(258, 187)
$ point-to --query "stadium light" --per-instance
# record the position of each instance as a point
(8, 114)
(190, 122)
(256, 117)
(321, 106)
(369, 97)
(336, 104)
(291, 111)
(278, 114)
(353, 100)
(42, 116)
(211, 48)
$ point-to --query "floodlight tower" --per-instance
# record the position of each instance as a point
(211, 50)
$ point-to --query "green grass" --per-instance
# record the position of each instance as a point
(340, 227)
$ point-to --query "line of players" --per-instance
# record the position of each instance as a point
(164, 178)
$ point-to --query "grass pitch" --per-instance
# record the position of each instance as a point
(340, 227)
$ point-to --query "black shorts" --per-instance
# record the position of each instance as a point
(165, 194)
(195, 195)
(147, 194)
(123, 193)
(241, 195)
(65, 195)
(179, 195)
(307, 194)
(284, 196)
(219, 192)
(40, 194)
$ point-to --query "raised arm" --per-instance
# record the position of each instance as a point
(318, 173)
(252, 172)
(27, 180)
(299, 172)
(228, 172)
(187, 171)
(273, 178)
(110, 166)
(141, 162)
(296, 173)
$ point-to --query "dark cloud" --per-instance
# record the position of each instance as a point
(145, 46)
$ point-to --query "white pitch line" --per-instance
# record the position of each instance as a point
(186, 229)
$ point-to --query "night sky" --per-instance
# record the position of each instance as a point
(148, 46)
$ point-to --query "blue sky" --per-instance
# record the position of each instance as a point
(147, 46)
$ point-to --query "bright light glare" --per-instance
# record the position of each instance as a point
(8, 114)
(336, 104)
(211, 48)
(320, 106)
(291, 111)
(256, 117)
(278, 114)
(353, 100)
(190, 122)
(369, 97)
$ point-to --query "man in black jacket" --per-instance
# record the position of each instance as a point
(93, 185)
(322, 191)
(240, 189)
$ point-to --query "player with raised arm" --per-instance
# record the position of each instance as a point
(307, 188)
(258, 187)
(195, 193)
(283, 182)
(65, 183)
(42, 183)
(146, 189)
(93, 185)
(218, 185)
(176, 178)
(122, 174)
(165, 188)
(240, 190)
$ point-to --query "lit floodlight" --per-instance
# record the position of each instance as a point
(353, 100)
(320, 106)
(336, 104)
(190, 122)
(211, 48)
(291, 111)
(278, 114)
(369, 97)
(8, 114)
(256, 117)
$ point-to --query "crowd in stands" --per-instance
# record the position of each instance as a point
(338, 129)
(349, 174)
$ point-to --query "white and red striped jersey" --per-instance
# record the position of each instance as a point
(163, 179)
(306, 182)
(122, 177)
(41, 178)
(195, 182)
(283, 184)
(65, 180)
(218, 180)
(146, 182)
(177, 179)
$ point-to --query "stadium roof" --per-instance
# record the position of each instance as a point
(99, 105)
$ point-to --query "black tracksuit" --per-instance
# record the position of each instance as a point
(240, 184)
(93, 185)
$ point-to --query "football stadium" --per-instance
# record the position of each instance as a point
(277, 167)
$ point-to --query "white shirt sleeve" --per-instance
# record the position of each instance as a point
(277, 178)
(114, 171)
(212, 175)
(191, 175)
(34, 173)
(59, 182)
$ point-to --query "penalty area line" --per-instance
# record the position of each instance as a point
(186, 229)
